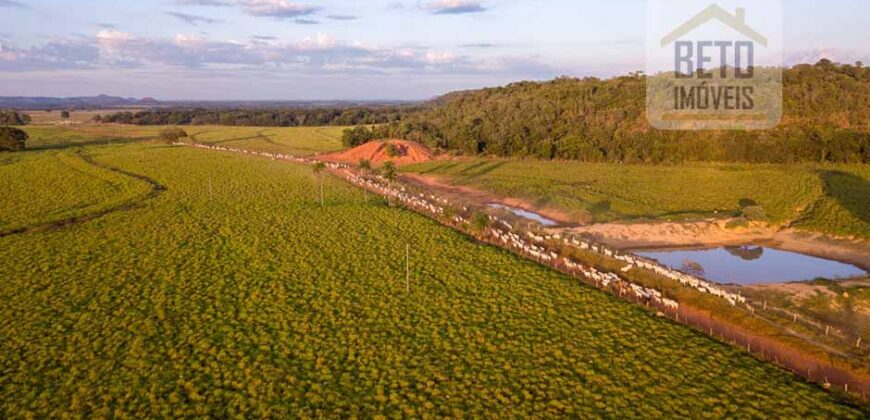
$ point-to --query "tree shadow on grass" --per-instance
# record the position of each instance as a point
(851, 191)
(479, 169)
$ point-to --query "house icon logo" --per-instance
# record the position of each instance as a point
(714, 64)
(736, 21)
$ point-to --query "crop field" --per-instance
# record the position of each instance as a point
(294, 140)
(827, 199)
(44, 117)
(289, 140)
(50, 186)
(48, 136)
(235, 293)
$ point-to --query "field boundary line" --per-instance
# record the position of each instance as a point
(156, 189)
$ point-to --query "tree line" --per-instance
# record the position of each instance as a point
(296, 117)
(826, 118)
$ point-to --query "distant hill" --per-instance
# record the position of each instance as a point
(80, 102)
(108, 102)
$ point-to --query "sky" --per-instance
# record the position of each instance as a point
(351, 50)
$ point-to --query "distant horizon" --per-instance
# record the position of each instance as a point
(361, 100)
(339, 50)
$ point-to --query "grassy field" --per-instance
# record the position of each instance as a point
(827, 199)
(295, 141)
(234, 293)
(43, 117)
(48, 186)
(290, 140)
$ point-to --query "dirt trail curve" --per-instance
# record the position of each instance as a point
(156, 189)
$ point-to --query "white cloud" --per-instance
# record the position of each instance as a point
(455, 7)
(277, 8)
(192, 19)
(321, 53)
(438, 58)
(217, 3)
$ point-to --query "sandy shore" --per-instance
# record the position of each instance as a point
(714, 233)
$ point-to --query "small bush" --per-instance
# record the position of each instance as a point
(754, 213)
(392, 150)
(480, 221)
(12, 139)
(172, 135)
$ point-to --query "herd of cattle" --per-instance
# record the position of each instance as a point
(545, 248)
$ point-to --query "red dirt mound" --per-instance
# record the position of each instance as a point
(403, 153)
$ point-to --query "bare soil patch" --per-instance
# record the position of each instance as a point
(377, 152)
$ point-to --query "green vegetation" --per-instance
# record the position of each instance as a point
(295, 140)
(12, 117)
(172, 134)
(606, 192)
(53, 186)
(12, 139)
(392, 150)
(233, 293)
(842, 305)
(358, 135)
(827, 199)
(825, 120)
(844, 209)
(48, 136)
(280, 117)
(291, 140)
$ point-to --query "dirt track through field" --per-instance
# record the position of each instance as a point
(156, 189)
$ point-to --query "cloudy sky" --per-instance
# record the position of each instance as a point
(350, 49)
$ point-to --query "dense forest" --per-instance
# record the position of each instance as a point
(826, 118)
(290, 117)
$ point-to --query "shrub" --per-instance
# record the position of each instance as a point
(11, 117)
(64, 114)
(172, 135)
(754, 213)
(392, 150)
(389, 171)
(480, 221)
(12, 139)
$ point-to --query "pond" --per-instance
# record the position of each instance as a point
(525, 214)
(752, 265)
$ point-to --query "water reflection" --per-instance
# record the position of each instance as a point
(748, 253)
(752, 265)
(526, 214)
